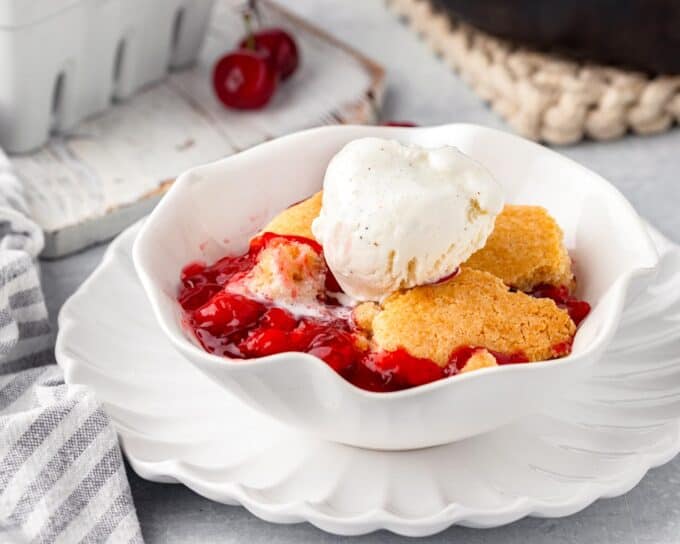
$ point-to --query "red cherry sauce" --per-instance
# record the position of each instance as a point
(578, 309)
(236, 326)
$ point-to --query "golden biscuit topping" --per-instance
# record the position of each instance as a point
(472, 309)
(297, 220)
(525, 249)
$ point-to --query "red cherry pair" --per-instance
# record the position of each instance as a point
(248, 77)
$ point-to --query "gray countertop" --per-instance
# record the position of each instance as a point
(423, 90)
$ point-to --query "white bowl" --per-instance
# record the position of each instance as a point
(213, 210)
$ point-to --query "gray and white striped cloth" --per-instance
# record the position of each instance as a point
(62, 477)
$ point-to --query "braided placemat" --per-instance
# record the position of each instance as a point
(542, 96)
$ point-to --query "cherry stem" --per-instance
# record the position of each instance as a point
(373, 104)
(250, 40)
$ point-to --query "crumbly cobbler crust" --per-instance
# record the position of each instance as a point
(525, 249)
(472, 309)
(297, 220)
(476, 307)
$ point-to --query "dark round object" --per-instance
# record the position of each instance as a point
(244, 80)
(279, 47)
(639, 34)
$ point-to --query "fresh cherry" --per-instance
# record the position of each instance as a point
(277, 46)
(244, 80)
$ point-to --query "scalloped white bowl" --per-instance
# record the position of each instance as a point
(213, 210)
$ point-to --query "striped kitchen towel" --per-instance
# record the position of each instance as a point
(62, 477)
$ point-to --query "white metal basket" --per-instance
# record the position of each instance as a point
(64, 60)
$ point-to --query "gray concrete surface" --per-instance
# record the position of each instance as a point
(422, 89)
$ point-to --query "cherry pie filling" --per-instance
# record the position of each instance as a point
(237, 326)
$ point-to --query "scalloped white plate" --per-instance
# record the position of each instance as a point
(177, 426)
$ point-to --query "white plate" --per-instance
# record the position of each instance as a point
(176, 425)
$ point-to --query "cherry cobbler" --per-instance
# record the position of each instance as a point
(510, 302)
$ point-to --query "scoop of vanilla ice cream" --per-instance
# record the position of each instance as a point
(395, 216)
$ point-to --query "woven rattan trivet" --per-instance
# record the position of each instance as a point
(542, 96)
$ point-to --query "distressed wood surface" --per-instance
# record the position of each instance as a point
(112, 169)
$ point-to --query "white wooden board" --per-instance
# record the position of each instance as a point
(89, 185)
